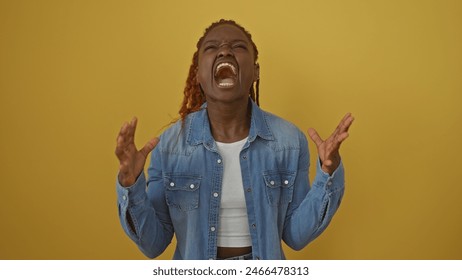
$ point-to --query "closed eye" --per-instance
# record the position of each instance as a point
(240, 46)
(210, 47)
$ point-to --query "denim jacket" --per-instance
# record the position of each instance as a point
(182, 193)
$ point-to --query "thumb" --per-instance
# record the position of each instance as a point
(149, 146)
(314, 136)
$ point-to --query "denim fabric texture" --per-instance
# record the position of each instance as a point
(181, 195)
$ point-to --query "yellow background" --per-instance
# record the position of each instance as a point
(71, 72)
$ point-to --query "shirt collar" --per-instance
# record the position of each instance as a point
(199, 128)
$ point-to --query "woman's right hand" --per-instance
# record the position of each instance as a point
(131, 160)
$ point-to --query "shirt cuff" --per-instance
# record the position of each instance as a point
(332, 183)
(134, 194)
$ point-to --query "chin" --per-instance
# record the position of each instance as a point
(226, 95)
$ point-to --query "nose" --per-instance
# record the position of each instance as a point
(224, 50)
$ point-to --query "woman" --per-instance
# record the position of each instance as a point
(228, 179)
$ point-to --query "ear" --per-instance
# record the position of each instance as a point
(256, 72)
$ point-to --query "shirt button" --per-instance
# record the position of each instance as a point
(244, 157)
(249, 189)
(192, 186)
(272, 183)
(219, 161)
(215, 194)
(254, 226)
(212, 228)
(286, 182)
(124, 197)
(329, 183)
(172, 184)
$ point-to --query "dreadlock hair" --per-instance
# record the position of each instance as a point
(193, 96)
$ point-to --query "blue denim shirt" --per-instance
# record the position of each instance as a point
(182, 193)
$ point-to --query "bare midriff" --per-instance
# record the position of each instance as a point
(229, 252)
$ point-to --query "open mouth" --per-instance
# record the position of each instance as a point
(225, 75)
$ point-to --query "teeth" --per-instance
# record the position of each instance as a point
(226, 64)
(226, 84)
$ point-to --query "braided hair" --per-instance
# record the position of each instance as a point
(193, 96)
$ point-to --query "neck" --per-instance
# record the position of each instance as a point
(229, 122)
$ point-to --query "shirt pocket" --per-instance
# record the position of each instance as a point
(182, 191)
(279, 186)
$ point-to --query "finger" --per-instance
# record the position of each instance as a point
(342, 137)
(347, 116)
(349, 122)
(341, 121)
(132, 128)
(127, 135)
(340, 124)
(149, 146)
(134, 123)
(315, 136)
(339, 140)
(343, 126)
(121, 139)
(119, 147)
(123, 129)
(346, 123)
(123, 150)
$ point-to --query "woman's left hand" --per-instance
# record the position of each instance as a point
(328, 150)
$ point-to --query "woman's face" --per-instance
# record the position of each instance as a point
(226, 68)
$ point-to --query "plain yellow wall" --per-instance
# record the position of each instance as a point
(71, 72)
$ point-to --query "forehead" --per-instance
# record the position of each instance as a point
(226, 32)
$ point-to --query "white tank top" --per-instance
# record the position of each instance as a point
(233, 229)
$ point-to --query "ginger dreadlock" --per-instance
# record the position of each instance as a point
(193, 97)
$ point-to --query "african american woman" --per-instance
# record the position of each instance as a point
(228, 179)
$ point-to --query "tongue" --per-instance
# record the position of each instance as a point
(226, 81)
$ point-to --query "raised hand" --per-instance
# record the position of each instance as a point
(328, 150)
(131, 160)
